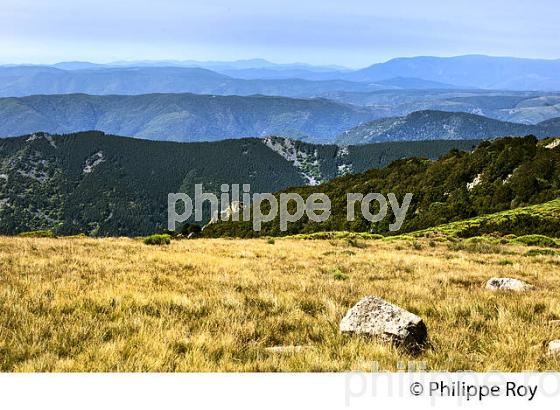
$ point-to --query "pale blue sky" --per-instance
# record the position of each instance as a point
(344, 32)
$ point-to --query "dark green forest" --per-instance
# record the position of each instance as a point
(103, 185)
(511, 172)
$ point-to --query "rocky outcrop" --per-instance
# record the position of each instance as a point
(554, 348)
(235, 208)
(375, 317)
(511, 284)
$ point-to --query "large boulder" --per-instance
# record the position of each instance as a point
(515, 285)
(554, 348)
(384, 321)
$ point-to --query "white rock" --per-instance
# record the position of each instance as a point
(382, 320)
(507, 284)
(476, 181)
(553, 144)
(554, 348)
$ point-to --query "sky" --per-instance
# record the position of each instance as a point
(350, 33)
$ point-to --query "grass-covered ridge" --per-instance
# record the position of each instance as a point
(540, 219)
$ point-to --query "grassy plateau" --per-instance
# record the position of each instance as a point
(82, 304)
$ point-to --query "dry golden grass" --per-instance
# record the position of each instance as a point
(216, 305)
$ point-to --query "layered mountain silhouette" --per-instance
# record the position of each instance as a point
(440, 125)
(262, 77)
(180, 117)
(470, 70)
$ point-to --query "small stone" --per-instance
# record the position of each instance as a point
(515, 285)
(554, 348)
(384, 321)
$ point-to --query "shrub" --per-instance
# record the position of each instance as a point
(537, 240)
(158, 239)
(355, 243)
(191, 229)
(476, 246)
(539, 252)
(339, 274)
(270, 241)
(481, 239)
(38, 234)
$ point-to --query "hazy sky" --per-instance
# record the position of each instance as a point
(345, 32)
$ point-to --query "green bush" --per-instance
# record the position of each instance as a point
(417, 245)
(355, 243)
(339, 275)
(478, 245)
(38, 234)
(540, 252)
(537, 240)
(158, 239)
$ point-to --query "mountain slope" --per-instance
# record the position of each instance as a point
(498, 175)
(17, 81)
(179, 117)
(540, 219)
(411, 83)
(469, 71)
(526, 107)
(105, 185)
(440, 125)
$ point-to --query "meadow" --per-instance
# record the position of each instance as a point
(117, 304)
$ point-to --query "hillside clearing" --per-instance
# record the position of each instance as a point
(80, 304)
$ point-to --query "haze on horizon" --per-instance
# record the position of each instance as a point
(355, 33)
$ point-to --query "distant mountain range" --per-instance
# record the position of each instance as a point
(17, 81)
(391, 89)
(515, 106)
(180, 117)
(470, 71)
(193, 117)
(440, 125)
(502, 73)
(105, 185)
(69, 78)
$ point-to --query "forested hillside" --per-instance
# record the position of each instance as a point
(191, 117)
(106, 185)
(442, 125)
(179, 117)
(498, 175)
